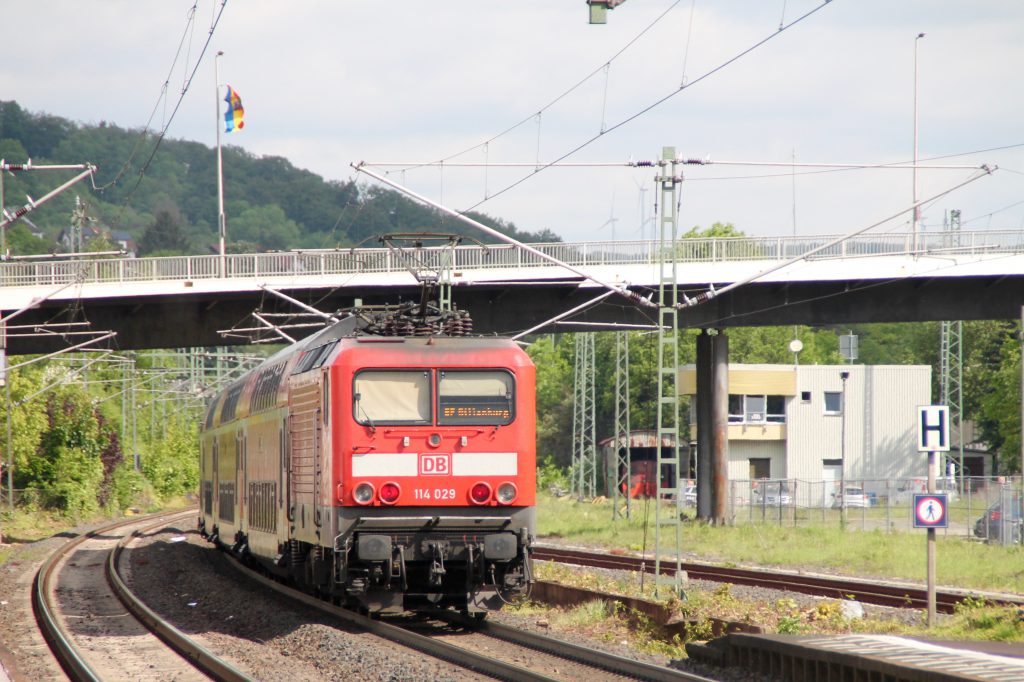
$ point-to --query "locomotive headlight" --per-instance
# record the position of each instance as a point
(480, 493)
(363, 494)
(434, 439)
(506, 493)
(389, 492)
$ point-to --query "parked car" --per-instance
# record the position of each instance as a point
(773, 494)
(854, 496)
(990, 525)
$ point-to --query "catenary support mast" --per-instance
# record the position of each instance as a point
(667, 474)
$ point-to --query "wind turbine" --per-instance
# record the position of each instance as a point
(611, 218)
(642, 190)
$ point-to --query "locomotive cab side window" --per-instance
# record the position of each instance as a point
(477, 397)
(392, 397)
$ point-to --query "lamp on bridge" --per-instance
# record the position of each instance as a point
(917, 210)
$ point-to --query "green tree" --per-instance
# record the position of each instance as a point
(165, 235)
(266, 226)
(22, 242)
(716, 230)
(172, 465)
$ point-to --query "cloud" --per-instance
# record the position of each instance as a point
(325, 84)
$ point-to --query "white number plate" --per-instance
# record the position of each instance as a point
(433, 493)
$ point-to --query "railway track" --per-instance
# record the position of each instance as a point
(491, 649)
(98, 629)
(870, 592)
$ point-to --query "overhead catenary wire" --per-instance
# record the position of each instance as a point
(569, 90)
(656, 103)
(706, 161)
(167, 125)
(144, 133)
(711, 293)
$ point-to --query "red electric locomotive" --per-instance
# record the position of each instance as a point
(390, 473)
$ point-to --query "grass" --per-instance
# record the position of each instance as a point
(974, 618)
(873, 553)
(24, 526)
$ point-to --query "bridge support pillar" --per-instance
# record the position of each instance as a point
(720, 428)
(712, 426)
(704, 430)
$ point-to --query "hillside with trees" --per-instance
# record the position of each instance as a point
(165, 196)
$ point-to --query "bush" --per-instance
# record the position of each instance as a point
(173, 465)
(550, 476)
(129, 488)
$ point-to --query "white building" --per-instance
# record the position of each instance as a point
(807, 423)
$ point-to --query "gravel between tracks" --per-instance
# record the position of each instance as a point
(184, 579)
(270, 636)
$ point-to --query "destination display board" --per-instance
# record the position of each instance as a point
(479, 410)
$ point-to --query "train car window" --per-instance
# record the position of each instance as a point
(264, 395)
(227, 413)
(325, 351)
(480, 397)
(314, 358)
(392, 397)
(210, 412)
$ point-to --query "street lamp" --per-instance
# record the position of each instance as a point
(917, 211)
(843, 376)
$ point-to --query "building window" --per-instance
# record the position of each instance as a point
(760, 467)
(757, 409)
(735, 409)
(754, 407)
(776, 409)
(833, 402)
(805, 396)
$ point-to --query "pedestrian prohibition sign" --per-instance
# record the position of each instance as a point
(930, 510)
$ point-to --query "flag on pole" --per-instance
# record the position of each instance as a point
(233, 117)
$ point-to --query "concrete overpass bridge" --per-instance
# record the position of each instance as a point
(186, 301)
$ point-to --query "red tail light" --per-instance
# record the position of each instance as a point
(480, 493)
(389, 493)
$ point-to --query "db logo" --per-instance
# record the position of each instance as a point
(433, 464)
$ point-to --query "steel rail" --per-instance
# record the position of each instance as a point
(479, 662)
(68, 655)
(200, 657)
(882, 594)
(600, 659)
(447, 652)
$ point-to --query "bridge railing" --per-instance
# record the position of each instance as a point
(583, 254)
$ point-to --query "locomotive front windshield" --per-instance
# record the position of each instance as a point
(392, 397)
(464, 397)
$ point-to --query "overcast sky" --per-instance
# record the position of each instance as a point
(326, 84)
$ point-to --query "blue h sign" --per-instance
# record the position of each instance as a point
(933, 428)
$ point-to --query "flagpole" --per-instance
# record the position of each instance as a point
(221, 222)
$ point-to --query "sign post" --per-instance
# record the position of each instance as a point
(930, 511)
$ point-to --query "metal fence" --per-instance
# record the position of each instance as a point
(355, 261)
(978, 507)
(24, 497)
